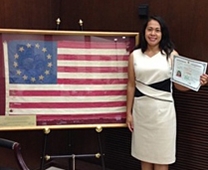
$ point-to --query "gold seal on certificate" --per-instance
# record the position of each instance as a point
(187, 72)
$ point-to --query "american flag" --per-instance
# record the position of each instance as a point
(79, 78)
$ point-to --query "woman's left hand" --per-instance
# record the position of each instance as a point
(204, 79)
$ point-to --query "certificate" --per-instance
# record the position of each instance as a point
(187, 72)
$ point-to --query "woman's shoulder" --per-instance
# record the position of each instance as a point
(137, 51)
(174, 52)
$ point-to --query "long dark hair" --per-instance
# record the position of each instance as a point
(165, 45)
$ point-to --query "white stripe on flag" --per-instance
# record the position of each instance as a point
(92, 76)
(80, 51)
(69, 87)
(73, 63)
(72, 99)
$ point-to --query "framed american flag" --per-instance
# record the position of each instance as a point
(65, 77)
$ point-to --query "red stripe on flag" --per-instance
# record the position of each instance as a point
(81, 118)
(67, 93)
(92, 81)
(93, 57)
(93, 69)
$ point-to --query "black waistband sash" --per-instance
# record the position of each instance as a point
(163, 85)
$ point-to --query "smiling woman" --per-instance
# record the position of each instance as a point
(150, 104)
(153, 36)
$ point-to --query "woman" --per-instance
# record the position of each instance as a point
(150, 105)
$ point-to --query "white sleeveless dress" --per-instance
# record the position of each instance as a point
(154, 135)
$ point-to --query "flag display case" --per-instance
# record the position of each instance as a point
(65, 77)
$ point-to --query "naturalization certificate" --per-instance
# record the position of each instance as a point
(187, 72)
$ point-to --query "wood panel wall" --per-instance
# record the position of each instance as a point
(33, 14)
(187, 21)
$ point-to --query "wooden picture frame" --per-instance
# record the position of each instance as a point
(90, 69)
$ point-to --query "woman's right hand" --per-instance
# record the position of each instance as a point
(129, 122)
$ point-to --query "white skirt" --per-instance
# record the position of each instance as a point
(154, 135)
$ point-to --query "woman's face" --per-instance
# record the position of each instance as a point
(153, 34)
